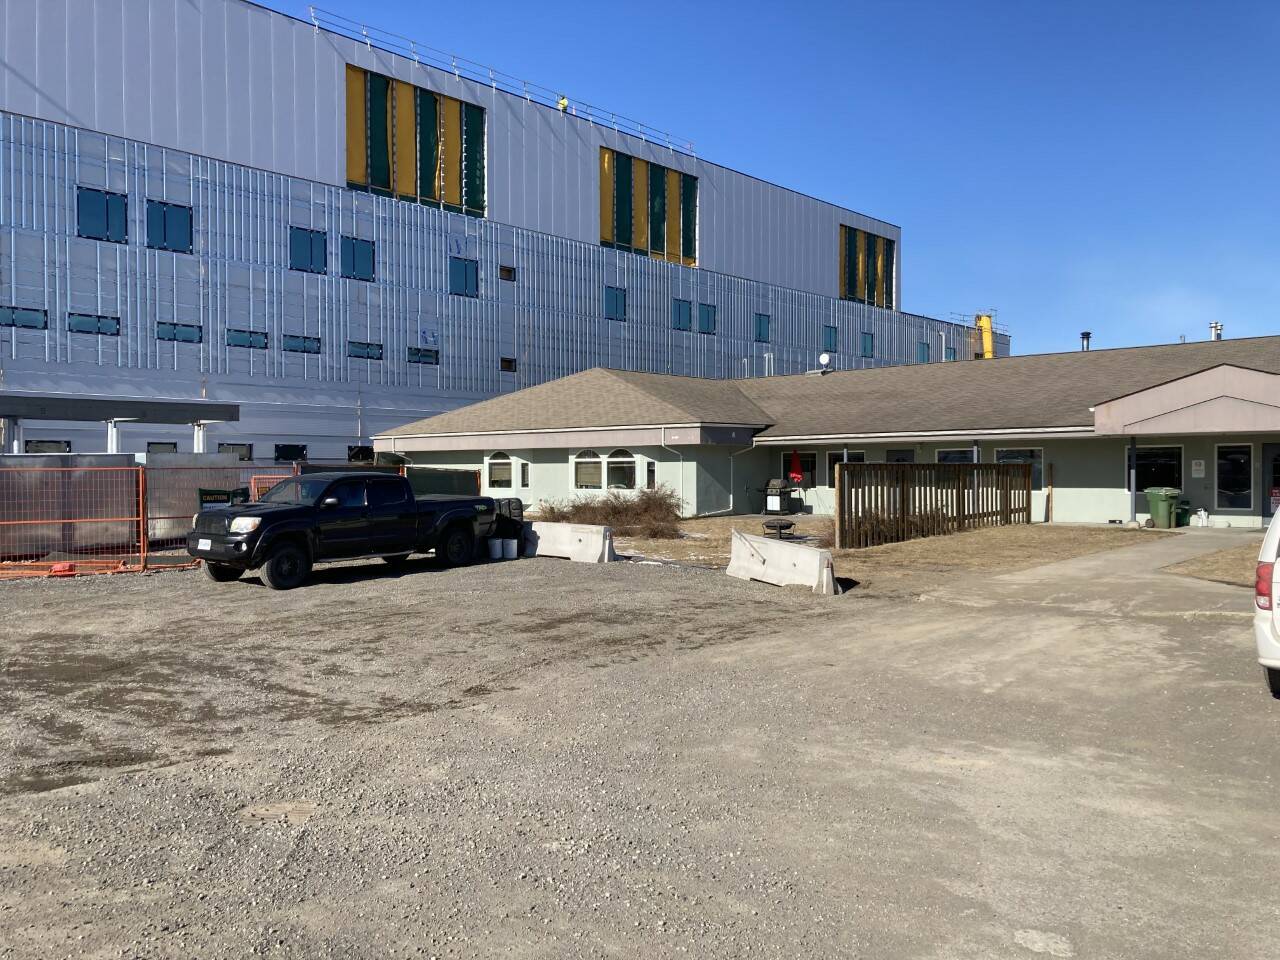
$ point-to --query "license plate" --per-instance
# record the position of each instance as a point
(204, 545)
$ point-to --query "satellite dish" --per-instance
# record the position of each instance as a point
(824, 359)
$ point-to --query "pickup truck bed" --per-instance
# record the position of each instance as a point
(323, 517)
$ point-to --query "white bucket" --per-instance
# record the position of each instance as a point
(495, 548)
(509, 549)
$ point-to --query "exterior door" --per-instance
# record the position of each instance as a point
(1270, 479)
(392, 516)
(343, 529)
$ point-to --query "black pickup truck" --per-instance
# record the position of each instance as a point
(319, 517)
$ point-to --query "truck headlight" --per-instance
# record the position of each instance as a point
(245, 524)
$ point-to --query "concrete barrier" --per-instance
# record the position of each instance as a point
(581, 542)
(782, 563)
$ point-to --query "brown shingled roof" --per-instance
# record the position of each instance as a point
(599, 398)
(1026, 392)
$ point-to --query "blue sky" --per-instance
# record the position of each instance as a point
(1087, 165)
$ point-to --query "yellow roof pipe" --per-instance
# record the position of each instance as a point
(986, 336)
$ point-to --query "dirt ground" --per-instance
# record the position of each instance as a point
(896, 566)
(540, 759)
(1234, 565)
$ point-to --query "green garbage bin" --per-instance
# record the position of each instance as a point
(1161, 501)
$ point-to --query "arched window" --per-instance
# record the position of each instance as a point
(621, 470)
(499, 470)
(588, 472)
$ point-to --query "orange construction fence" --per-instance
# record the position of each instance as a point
(66, 521)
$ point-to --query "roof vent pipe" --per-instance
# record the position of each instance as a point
(1085, 337)
(1215, 330)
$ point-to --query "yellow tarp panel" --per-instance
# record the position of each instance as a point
(405, 138)
(844, 262)
(451, 149)
(640, 205)
(606, 195)
(673, 216)
(860, 268)
(880, 271)
(357, 137)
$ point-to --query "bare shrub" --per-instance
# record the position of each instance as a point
(649, 513)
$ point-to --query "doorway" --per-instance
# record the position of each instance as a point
(1270, 479)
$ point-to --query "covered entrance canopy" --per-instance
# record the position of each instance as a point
(16, 407)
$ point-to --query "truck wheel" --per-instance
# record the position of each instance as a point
(1273, 681)
(399, 560)
(286, 568)
(457, 548)
(221, 573)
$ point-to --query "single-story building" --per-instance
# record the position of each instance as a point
(1203, 417)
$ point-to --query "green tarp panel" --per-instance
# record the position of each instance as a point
(428, 145)
(622, 201)
(379, 140)
(473, 159)
(688, 216)
(657, 209)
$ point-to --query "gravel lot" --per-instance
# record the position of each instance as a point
(542, 759)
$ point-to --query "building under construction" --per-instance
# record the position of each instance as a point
(339, 231)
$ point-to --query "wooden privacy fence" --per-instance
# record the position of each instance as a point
(890, 502)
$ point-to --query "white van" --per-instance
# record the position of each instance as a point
(1266, 612)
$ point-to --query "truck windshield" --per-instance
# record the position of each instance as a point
(296, 490)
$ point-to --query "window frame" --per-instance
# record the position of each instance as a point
(1037, 467)
(165, 207)
(349, 261)
(1217, 488)
(470, 277)
(507, 273)
(299, 446)
(312, 235)
(937, 455)
(98, 320)
(768, 324)
(256, 339)
(175, 327)
(501, 459)
(1182, 462)
(238, 449)
(107, 197)
(837, 456)
(364, 350)
(685, 326)
(615, 297)
(508, 365)
(8, 318)
(830, 338)
(622, 458)
(524, 474)
(423, 356)
(706, 310)
(585, 458)
(301, 343)
(785, 462)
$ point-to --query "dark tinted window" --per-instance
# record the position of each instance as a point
(385, 491)
(243, 451)
(357, 259)
(180, 332)
(253, 339)
(87, 323)
(308, 250)
(289, 452)
(360, 453)
(867, 345)
(296, 490)
(507, 364)
(424, 355)
(24, 318)
(706, 318)
(364, 351)
(830, 339)
(681, 315)
(350, 493)
(762, 328)
(464, 277)
(298, 344)
(101, 215)
(615, 303)
(900, 456)
(168, 226)
(1159, 467)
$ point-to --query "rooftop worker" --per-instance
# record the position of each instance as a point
(563, 103)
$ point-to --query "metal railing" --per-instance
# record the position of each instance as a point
(463, 68)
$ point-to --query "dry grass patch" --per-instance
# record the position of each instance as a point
(652, 514)
(1234, 565)
(706, 542)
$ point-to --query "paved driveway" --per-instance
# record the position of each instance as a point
(1075, 760)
